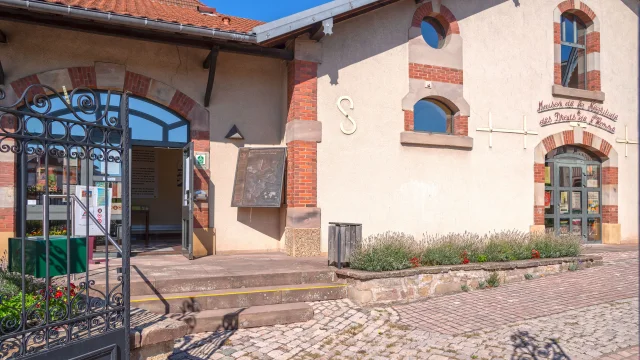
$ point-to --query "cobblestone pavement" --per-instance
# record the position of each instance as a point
(589, 314)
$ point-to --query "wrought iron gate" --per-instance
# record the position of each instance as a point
(54, 303)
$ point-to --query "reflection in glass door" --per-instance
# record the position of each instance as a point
(573, 194)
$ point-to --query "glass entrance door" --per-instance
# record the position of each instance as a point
(573, 197)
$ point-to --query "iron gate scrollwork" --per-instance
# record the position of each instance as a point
(71, 309)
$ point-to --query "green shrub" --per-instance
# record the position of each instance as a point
(552, 246)
(11, 282)
(465, 288)
(507, 246)
(573, 267)
(528, 276)
(493, 280)
(449, 249)
(396, 251)
(482, 284)
(386, 252)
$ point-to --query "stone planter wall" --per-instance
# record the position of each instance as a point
(372, 288)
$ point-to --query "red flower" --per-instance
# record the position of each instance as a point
(535, 254)
(58, 294)
(465, 261)
(415, 262)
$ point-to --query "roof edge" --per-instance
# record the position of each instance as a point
(127, 20)
(292, 23)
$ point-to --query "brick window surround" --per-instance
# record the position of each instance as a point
(588, 17)
(116, 77)
(436, 77)
(597, 145)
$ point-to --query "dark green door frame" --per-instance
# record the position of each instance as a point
(574, 193)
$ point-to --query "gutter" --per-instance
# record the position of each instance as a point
(127, 20)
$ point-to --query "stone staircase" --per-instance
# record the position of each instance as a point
(237, 301)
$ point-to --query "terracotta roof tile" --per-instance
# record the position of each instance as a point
(179, 11)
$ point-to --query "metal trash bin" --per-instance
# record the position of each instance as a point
(344, 239)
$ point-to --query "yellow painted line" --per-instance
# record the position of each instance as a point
(240, 293)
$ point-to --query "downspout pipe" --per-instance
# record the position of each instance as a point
(126, 20)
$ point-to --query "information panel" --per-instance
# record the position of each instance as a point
(259, 177)
(144, 179)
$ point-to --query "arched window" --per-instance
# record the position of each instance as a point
(573, 51)
(431, 115)
(151, 124)
(433, 32)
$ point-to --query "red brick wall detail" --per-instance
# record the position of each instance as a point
(302, 90)
(610, 176)
(302, 174)
(445, 17)
(7, 173)
(605, 147)
(20, 85)
(7, 219)
(549, 143)
(593, 80)
(200, 218)
(84, 76)
(557, 74)
(538, 214)
(435, 73)
(461, 125)
(181, 103)
(566, 5)
(538, 173)
(556, 33)
(609, 214)
(408, 120)
(567, 136)
(588, 12)
(136, 83)
(593, 42)
(587, 138)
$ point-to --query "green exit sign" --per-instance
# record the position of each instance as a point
(202, 160)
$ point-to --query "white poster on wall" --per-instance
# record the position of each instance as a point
(144, 179)
(99, 206)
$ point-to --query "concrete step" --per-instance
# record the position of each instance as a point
(184, 302)
(143, 285)
(254, 316)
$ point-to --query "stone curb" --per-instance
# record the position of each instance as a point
(490, 266)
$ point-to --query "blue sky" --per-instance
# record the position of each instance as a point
(265, 10)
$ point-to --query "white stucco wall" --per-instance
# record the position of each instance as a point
(248, 92)
(370, 178)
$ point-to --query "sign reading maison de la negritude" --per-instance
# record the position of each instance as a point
(577, 111)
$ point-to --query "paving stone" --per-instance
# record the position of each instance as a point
(591, 313)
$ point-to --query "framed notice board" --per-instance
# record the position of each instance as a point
(259, 177)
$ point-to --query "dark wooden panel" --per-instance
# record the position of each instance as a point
(259, 177)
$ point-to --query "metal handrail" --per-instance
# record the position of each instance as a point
(79, 202)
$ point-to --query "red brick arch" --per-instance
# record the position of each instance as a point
(597, 145)
(105, 76)
(444, 16)
(589, 18)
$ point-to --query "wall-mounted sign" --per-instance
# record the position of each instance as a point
(144, 179)
(98, 198)
(259, 177)
(577, 111)
(202, 160)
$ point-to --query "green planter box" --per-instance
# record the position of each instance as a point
(36, 260)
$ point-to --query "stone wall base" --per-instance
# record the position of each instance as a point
(611, 234)
(302, 242)
(414, 287)
(157, 351)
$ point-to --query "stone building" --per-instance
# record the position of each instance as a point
(417, 116)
